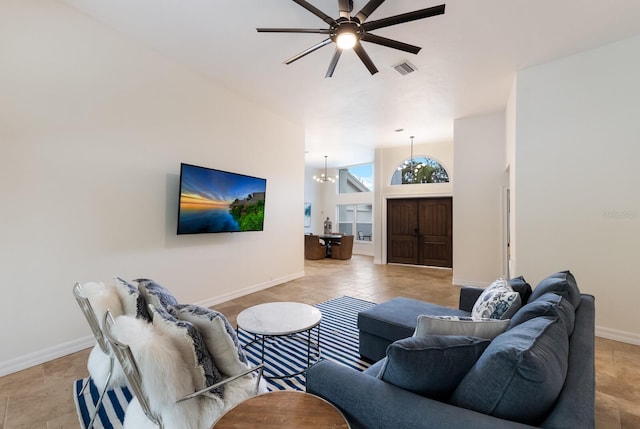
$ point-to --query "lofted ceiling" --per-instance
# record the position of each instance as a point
(466, 66)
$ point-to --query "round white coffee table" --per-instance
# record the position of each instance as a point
(282, 319)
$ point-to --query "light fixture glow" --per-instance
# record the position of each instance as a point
(346, 40)
(324, 177)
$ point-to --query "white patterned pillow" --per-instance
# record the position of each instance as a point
(498, 301)
(455, 325)
(219, 336)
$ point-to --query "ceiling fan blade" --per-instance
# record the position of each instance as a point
(368, 9)
(317, 12)
(404, 17)
(390, 43)
(294, 30)
(308, 51)
(364, 57)
(334, 62)
(345, 7)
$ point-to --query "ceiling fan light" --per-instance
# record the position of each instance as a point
(346, 40)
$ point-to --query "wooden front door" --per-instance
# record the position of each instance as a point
(420, 231)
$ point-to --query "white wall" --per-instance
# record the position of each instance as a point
(478, 200)
(577, 178)
(387, 161)
(93, 129)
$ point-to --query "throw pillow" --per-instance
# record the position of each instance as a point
(457, 325)
(431, 366)
(498, 301)
(520, 285)
(188, 341)
(561, 283)
(165, 375)
(550, 305)
(155, 294)
(219, 337)
(520, 374)
(133, 303)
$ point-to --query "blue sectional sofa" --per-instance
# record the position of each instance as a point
(538, 373)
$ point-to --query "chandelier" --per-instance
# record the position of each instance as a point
(324, 177)
(410, 168)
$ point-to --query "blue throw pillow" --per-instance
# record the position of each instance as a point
(550, 305)
(561, 283)
(520, 374)
(520, 285)
(431, 366)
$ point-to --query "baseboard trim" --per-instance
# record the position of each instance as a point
(246, 291)
(462, 282)
(617, 335)
(45, 355)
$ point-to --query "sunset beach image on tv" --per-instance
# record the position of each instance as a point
(219, 201)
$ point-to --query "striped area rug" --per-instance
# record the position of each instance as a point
(338, 342)
(283, 355)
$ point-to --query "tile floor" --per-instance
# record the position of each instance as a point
(40, 397)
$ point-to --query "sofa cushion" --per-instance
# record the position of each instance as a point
(562, 283)
(520, 374)
(396, 318)
(155, 294)
(431, 366)
(456, 325)
(520, 285)
(219, 336)
(498, 301)
(549, 304)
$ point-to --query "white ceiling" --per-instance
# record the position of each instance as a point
(466, 66)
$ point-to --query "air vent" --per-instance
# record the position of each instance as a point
(405, 68)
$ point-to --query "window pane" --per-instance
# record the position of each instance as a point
(345, 228)
(420, 170)
(345, 213)
(358, 178)
(364, 219)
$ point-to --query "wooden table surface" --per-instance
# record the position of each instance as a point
(286, 409)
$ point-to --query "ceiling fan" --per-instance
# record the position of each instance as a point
(348, 31)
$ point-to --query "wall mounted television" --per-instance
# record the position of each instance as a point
(219, 201)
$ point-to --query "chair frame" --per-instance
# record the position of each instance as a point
(94, 324)
(132, 372)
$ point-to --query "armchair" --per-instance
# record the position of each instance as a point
(101, 366)
(313, 249)
(342, 249)
(164, 391)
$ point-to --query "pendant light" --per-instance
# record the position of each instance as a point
(324, 177)
(410, 167)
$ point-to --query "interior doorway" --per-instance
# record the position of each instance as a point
(420, 231)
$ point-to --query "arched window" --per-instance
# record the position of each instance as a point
(420, 170)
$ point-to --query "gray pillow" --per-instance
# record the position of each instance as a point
(457, 325)
(431, 366)
(562, 283)
(520, 374)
